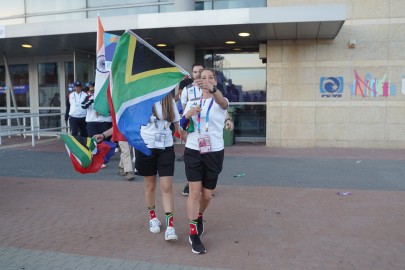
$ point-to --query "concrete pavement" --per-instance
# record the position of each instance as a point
(284, 214)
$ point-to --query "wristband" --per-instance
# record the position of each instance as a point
(103, 135)
(214, 89)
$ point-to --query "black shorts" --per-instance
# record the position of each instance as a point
(203, 167)
(160, 161)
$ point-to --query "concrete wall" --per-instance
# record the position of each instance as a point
(297, 115)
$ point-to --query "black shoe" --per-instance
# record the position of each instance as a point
(196, 246)
(200, 226)
(185, 190)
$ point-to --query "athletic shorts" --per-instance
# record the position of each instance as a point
(203, 167)
(159, 162)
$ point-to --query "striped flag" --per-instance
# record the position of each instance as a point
(102, 75)
(141, 76)
(86, 155)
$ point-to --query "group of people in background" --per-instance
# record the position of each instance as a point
(199, 116)
(85, 121)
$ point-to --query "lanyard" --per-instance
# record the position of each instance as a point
(74, 95)
(195, 93)
(156, 124)
(206, 116)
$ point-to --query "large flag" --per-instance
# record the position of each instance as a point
(141, 76)
(102, 74)
(86, 155)
(110, 43)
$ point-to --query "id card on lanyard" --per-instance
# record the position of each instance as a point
(204, 141)
(160, 137)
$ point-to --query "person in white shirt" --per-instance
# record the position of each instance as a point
(158, 137)
(77, 115)
(193, 92)
(204, 151)
(96, 123)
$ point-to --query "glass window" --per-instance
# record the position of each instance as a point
(123, 11)
(243, 85)
(84, 67)
(49, 94)
(249, 120)
(227, 4)
(12, 8)
(203, 5)
(48, 85)
(50, 6)
(241, 78)
(69, 77)
(138, 7)
(20, 80)
(3, 96)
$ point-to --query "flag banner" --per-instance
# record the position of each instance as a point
(141, 76)
(102, 75)
(86, 155)
(110, 43)
(117, 135)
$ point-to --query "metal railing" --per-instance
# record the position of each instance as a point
(34, 129)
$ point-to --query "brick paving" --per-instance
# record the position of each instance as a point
(269, 219)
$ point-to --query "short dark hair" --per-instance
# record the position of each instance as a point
(197, 64)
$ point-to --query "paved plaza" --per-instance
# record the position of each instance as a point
(284, 213)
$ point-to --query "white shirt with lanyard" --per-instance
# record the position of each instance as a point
(157, 133)
(75, 101)
(190, 92)
(210, 122)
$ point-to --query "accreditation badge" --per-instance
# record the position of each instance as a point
(204, 144)
(160, 139)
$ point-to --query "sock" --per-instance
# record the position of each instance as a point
(152, 212)
(169, 219)
(200, 214)
(193, 226)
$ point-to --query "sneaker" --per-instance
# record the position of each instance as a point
(121, 171)
(130, 176)
(103, 166)
(196, 246)
(185, 190)
(136, 172)
(154, 225)
(170, 234)
(200, 226)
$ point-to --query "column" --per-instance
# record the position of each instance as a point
(184, 55)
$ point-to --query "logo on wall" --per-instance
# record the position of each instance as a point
(371, 86)
(331, 86)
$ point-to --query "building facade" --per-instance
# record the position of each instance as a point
(309, 73)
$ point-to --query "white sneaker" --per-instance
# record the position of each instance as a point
(170, 234)
(154, 225)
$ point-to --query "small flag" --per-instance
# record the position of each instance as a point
(86, 155)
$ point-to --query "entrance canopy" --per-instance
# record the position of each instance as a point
(207, 28)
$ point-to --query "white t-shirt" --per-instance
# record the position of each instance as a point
(216, 123)
(148, 132)
(190, 92)
(93, 116)
(75, 101)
